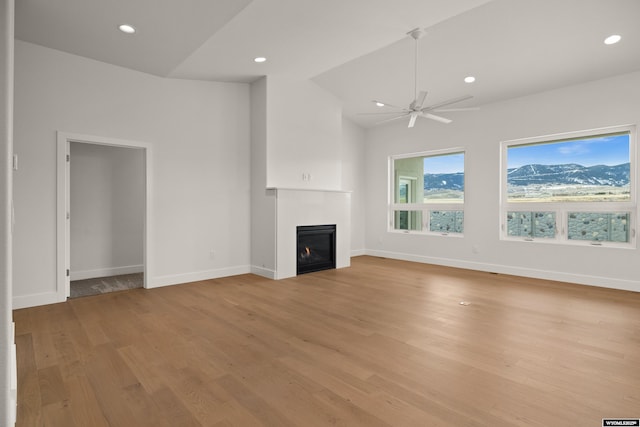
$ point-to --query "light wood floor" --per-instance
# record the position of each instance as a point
(383, 343)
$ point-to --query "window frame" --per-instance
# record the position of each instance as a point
(563, 209)
(424, 207)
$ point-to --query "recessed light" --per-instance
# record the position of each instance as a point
(469, 79)
(613, 39)
(259, 59)
(379, 104)
(126, 28)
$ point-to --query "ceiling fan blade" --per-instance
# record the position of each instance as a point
(445, 103)
(412, 120)
(381, 113)
(447, 110)
(391, 119)
(419, 101)
(436, 118)
(384, 104)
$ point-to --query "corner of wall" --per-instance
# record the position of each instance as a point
(7, 391)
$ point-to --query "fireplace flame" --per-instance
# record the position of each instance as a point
(306, 253)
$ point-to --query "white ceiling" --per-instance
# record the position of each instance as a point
(512, 47)
(356, 49)
(169, 30)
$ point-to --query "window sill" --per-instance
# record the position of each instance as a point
(426, 233)
(574, 243)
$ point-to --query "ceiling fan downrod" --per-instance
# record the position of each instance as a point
(416, 34)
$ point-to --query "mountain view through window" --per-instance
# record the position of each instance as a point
(579, 170)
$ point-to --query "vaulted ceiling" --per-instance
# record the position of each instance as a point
(356, 49)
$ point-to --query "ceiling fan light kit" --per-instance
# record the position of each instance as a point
(416, 108)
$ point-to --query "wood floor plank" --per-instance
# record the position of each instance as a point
(204, 398)
(52, 387)
(384, 342)
(29, 398)
(44, 350)
(255, 405)
(86, 410)
(171, 409)
(58, 414)
(344, 412)
(137, 358)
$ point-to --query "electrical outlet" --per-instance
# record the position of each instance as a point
(212, 254)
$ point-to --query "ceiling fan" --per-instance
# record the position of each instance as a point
(416, 108)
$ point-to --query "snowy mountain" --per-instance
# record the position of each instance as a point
(448, 181)
(566, 174)
(569, 174)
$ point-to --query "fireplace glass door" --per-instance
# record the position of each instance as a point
(316, 248)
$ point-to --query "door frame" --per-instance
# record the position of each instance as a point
(63, 202)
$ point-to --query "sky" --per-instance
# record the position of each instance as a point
(606, 150)
(447, 163)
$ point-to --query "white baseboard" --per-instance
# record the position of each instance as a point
(581, 279)
(33, 300)
(25, 301)
(176, 279)
(13, 388)
(106, 272)
(264, 272)
(358, 252)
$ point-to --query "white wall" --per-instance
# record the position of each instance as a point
(107, 192)
(263, 201)
(199, 132)
(354, 180)
(304, 125)
(299, 155)
(597, 104)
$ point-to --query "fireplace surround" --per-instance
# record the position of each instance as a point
(274, 231)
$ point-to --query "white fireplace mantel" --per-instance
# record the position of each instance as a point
(307, 189)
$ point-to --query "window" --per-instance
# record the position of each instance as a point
(531, 224)
(427, 192)
(574, 188)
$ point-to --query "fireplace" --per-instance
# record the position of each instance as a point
(316, 248)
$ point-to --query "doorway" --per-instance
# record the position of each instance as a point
(103, 215)
(406, 193)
